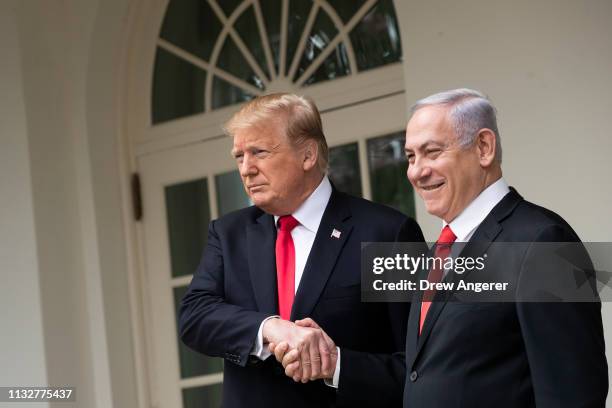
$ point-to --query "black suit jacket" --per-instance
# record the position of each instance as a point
(234, 290)
(471, 355)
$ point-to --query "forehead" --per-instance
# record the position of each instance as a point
(263, 134)
(431, 124)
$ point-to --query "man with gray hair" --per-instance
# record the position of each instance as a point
(458, 354)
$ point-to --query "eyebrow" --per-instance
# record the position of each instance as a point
(258, 147)
(424, 145)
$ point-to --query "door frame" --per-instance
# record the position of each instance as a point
(361, 94)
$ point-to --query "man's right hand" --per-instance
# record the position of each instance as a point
(310, 343)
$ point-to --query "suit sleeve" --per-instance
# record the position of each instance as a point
(564, 343)
(371, 380)
(207, 322)
(377, 379)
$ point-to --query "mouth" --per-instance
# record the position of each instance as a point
(255, 187)
(432, 187)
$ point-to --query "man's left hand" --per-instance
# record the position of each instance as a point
(296, 362)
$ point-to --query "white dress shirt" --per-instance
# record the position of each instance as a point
(309, 216)
(466, 223)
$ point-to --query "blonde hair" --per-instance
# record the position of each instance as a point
(299, 115)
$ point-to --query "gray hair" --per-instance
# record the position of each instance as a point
(470, 111)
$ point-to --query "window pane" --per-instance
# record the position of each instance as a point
(376, 39)
(232, 61)
(334, 66)
(271, 10)
(192, 26)
(178, 88)
(193, 363)
(346, 9)
(188, 217)
(387, 166)
(344, 168)
(323, 32)
(230, 192)
(248, 30)
(298, 14)
(208, 396)
(225, 94)
(228, 6)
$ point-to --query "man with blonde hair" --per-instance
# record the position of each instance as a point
(294, 254)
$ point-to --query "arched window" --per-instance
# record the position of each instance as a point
(212, 54)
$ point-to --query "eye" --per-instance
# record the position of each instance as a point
(238, 157)
(433, 153)
(410, 157)
(260, 153)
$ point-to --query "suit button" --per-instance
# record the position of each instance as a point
(413, 376)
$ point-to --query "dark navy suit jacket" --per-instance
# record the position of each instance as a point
(493, 355)
(234, 289)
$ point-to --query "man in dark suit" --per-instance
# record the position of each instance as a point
(295, 253)
(482, 354)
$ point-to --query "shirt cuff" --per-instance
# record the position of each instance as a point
(258, 349)
(336, 378)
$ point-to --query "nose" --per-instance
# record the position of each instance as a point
(417, 170)
(247, 166)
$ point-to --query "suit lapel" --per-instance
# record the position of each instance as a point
(486, 233)
(323, 255)
(489, 229)
(412, 332)
(261, 241)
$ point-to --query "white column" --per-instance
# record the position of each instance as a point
(22, 350)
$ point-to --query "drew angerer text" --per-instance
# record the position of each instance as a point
(424, 284)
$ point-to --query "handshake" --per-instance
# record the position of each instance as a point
(303, 348)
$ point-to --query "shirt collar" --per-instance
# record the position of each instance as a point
(474, 214)
(310, 213)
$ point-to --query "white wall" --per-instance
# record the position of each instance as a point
(46, 57)
(547, 67)
(61, 239)
(22, 354)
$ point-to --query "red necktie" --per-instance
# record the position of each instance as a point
(285, 265)
(443, 248)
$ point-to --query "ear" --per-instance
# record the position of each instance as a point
(486, 146)
(311, 154)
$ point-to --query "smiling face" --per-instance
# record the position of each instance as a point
(273, 171)
(446, 176)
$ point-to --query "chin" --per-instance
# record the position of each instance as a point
(259, 203)
(265, 205)
(431, 207)
(255, 199)
(434, 210)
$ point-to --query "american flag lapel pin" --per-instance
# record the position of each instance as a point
(336, 234)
